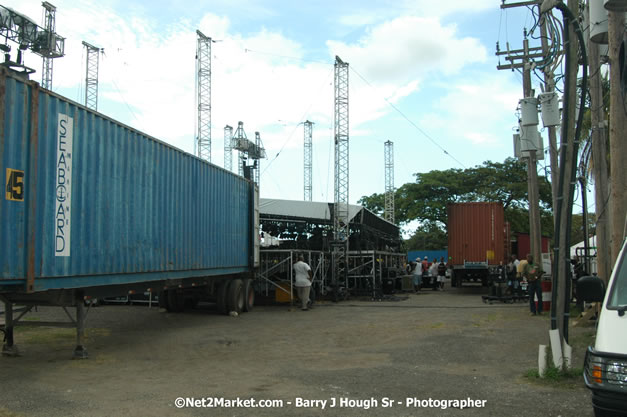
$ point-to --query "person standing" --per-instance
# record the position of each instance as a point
(417, 275)
(302, 281)
(425, 271)
(433, 272)
(512, 279)
(532, 273)
(441, 273)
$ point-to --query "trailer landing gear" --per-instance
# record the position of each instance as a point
(8, 348)
(61, 299)
(79, 351)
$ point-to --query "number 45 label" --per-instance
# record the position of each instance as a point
(15, 185)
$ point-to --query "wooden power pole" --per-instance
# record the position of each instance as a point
(599, 160)
(520, 59)
(618, 127)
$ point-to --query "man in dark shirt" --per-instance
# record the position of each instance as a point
(532, 273)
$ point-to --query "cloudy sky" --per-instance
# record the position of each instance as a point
(422, 74)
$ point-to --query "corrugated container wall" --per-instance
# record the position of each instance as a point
(476, 233)
(89, 201)
(524, 245)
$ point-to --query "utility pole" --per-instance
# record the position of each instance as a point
(307, 163)
(532, 175)
(388, 156)
(92, 58)
(341, 220)
(599, 160)
(568, 154)
(203, 97)
(618, 127)
(228, 148)
(549, 86)
(520, 59)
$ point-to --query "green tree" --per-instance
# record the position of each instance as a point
(428, 236)
(426, 199)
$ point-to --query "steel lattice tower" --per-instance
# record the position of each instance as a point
(91, 75)
(257, 165)
(203, 96)
(308, 161)
(228, 148)
(340, 210)
(389, 181)
(341, 220)
(49, 25)
(240, 138)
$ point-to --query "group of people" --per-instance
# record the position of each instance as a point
(423, 270)
(515, 271)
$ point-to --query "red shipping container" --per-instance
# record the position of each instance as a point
(524, 245)
(476, 233)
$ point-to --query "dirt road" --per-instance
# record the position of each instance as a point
(369, 358)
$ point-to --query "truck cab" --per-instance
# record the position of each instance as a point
(605, 369)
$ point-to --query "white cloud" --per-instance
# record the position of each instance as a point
(481, 109)
(409, 48)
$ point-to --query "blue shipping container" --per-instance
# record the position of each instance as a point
(91, 202)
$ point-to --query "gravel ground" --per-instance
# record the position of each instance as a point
(370, 357)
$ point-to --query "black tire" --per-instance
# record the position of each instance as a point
(249, 295)
(221, 292)
(604, 413)
(163, 299)
(235, 296)
(176, 301)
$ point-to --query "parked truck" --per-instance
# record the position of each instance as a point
(94, 208)
(478, 241)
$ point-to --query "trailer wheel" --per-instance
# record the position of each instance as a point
(176, 301)
(249, 295)
(221, 292)
(235, 296)
(163, 299)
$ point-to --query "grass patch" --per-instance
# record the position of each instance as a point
(54, 335)
(583, 338)
(6, 413)
(554, 377)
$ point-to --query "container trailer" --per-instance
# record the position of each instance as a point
(478, 241)
(94, 208)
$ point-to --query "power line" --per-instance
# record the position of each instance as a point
(410, 121)
(295, 127)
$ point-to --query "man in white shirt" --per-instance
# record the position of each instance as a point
(302, 281)
(417, 275)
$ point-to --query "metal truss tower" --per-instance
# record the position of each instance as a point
(389, 181)
(49, 25)
(341, 220)
(240, 138)
(308, 161)
(257, 162)
(248, 150)
(91, 75)
(228, 148)
(203, 96)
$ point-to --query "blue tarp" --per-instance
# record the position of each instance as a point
(430, 254)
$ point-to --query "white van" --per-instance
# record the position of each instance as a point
(605, 369)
